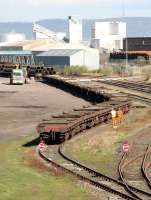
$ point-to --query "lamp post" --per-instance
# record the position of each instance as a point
(126, 51)
(123, 8)
(126, 39)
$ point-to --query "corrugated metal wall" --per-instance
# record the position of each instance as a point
(53, 60)
(88, 58)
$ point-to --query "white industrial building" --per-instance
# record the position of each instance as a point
(70, 57)
(108, 35)
(75, 30)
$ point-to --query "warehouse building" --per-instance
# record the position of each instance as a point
(71, 57)
(57, 53)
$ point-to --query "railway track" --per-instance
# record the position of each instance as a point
(146, 165)
(135, 191)
(129, 85)
(132, 96)
(66, 164)
(86, 88)
(139, 98)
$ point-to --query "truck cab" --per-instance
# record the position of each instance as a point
(17, 77)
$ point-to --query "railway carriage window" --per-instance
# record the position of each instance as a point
(5, 58)
(2, 59)
(14, 59)
(32, 60)
(24, 60)
(20, 59)
(10, 59)
(28, 60)
(17, 59)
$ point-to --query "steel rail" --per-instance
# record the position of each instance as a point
(145, 166)
(140, 98)
(123, 180)
(98, 174)
(95, 183)
(132, 96)
(127, 85)
(130, 188)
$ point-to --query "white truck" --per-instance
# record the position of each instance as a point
(18, 76)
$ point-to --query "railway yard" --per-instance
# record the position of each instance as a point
(24, 106)
(73, 115)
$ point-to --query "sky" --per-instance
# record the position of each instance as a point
(34, 10)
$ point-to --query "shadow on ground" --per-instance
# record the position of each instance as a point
(34, 142)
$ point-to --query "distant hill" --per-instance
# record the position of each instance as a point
(136, 26)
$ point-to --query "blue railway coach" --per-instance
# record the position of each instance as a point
(17, 57)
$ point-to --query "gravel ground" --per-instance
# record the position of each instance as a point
(23, 106)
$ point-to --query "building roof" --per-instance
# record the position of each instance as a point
(60, 52)
(12, 52)
(42, 45)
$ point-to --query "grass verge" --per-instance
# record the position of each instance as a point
(101, 147)
(21, 180)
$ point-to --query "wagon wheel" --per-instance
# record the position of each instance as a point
(126, 109)
(67, 136)
(77, 129)
(89, 124)
(92, 123)
(109, 116)
(73, 132)
(83, 127)
(102, 119)
(96, 120)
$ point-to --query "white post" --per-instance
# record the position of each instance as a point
(123, 8)
(126, 52)
(126, 46)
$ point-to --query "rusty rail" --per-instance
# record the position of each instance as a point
(129, 85)
(86, 179)
(128, 187)
(145, 166)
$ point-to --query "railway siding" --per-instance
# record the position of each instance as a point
(80, 171)
(63, 127)
(141, 87)
(85, 174)
(134, 157)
